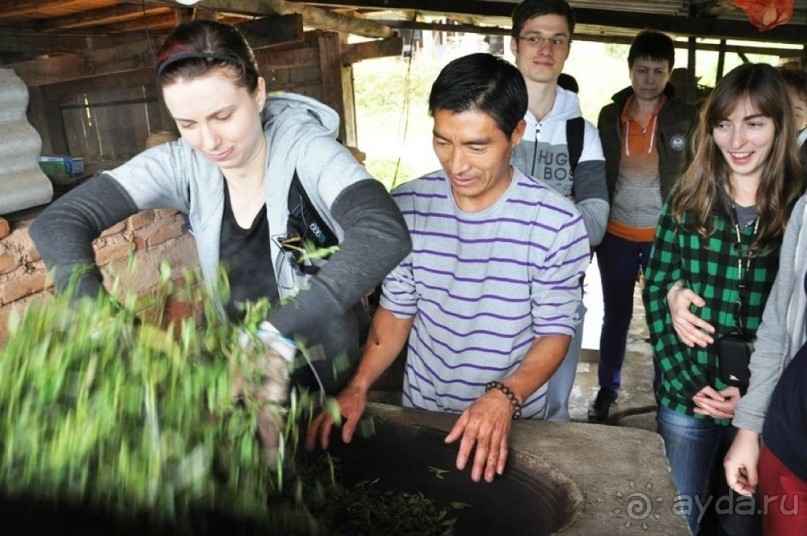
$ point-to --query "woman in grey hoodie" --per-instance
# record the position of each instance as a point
(231, 172)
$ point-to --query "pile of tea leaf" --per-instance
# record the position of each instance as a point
(108, 427)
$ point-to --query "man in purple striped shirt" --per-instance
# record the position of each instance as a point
(487, 300)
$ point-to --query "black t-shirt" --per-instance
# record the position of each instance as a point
(247, 258)
(785, 428)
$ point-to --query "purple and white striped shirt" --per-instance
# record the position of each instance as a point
(482, 286)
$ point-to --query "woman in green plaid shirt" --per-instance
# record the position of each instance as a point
(720, 230)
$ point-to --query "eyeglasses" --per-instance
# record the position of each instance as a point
(537, 41)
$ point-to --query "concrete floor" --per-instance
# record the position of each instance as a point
(636, 403)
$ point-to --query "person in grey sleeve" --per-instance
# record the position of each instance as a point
(541, 40)
(231, 172)
(774, 408)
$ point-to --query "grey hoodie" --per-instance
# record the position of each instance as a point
(782, 331)
(301, 136)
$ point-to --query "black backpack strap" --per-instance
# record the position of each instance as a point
(575, 132)
(305, 225)
(305, 221)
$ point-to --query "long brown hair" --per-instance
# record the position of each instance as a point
(781, 182)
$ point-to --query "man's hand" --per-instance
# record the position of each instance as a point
(717, 404)
(691, 329)
(485, 423)
(741, 462)
(352, 402)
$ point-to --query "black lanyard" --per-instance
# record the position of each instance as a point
(742, 272)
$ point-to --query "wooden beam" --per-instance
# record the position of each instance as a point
(33, 44)
(44, 71)
(95, 17)
(286, 59)
(357, 52)
(312, 16)
(159, 21)
(686, 26)
(596, 37)
(262, 32)
(453, 8)
(15, 8)
(274, 30)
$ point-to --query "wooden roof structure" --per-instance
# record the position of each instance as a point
(32, 29)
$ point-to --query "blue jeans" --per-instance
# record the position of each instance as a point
(695, 449)
(559, 386)
(619, 261)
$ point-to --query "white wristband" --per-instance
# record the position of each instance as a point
(273, 339)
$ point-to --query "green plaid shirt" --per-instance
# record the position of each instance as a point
(710, 268)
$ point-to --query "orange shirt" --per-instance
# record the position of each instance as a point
(636, 208)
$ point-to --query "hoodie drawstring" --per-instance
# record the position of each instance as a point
(535, 149)
(652, 136)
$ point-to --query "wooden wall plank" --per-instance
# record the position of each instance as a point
(140, 54)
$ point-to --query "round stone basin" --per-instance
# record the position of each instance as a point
(530, 498)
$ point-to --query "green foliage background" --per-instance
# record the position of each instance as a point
(394, 127)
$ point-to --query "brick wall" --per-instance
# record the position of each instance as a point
(153, 236)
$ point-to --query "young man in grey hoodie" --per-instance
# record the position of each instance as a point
(541, 38)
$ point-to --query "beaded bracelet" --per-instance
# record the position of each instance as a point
(511, 396)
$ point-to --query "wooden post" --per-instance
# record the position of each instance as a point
(333, 84)
(721, 60)
(691, 79)
(349, 118)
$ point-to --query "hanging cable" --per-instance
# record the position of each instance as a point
(403, 123)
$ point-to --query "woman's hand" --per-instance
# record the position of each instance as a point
(690, 328)
(741, 462)
(717, 404)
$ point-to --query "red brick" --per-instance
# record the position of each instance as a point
(176, 310)
(19, 287)
(32, 254)
(140, 220)
(163, 234)
(111, 251)
(139, 242)
(5, 228)
(167, 213)
(8, 261)
(115, 229)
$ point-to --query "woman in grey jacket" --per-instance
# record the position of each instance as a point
(231, 172)
(776, 401)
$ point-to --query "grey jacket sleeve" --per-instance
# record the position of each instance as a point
(591, 198)
(772, 349)
(376, 240)
(64, 232)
